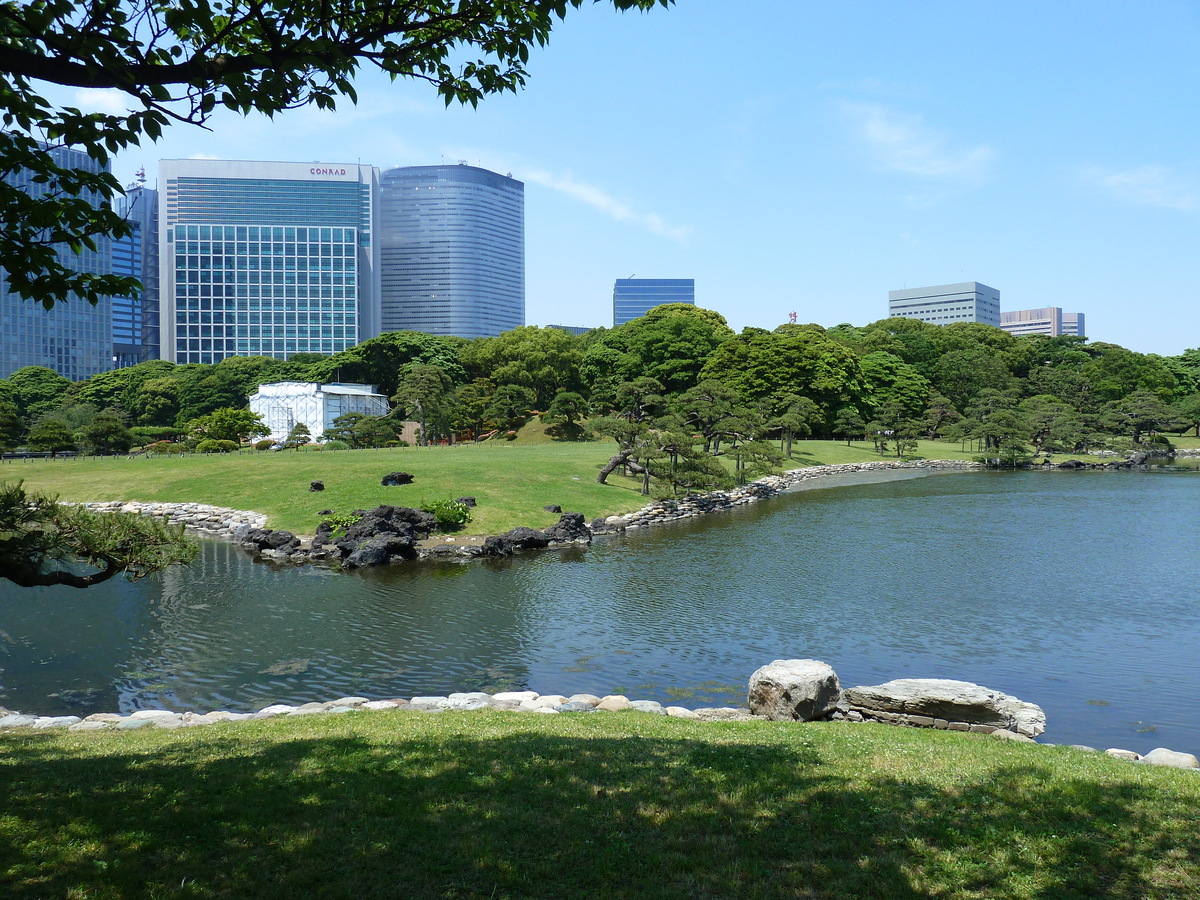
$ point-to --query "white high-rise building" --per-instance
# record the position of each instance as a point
(945, 304)
(266, 258)
(1049, 320)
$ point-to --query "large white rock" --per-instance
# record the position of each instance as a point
(1161, 756)
(789, 689)
(955, 701)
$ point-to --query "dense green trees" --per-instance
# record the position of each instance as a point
(678, 370)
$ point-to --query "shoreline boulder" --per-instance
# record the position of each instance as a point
(793, 689)
(949, 700)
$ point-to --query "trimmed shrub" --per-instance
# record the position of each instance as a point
(208, 445)
(264, 444)
(451, 515)
(335, 445)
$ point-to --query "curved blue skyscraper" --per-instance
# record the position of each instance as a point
(452, 242)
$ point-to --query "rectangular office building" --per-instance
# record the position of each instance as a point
(266, 258)
(945, 304)
(1049, 320)
(634, 297)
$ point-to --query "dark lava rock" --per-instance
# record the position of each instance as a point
(388, 518)
(553, 507)
(316, 486)
(380, 535)
(517, 539)
(600, 526)
(465, 501)
(527, 538)
(267, 539)
(396, 478)
(570, 527)
(379, 550)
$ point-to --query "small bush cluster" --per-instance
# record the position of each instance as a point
(210, 446)
(339, 522)
(451, 515)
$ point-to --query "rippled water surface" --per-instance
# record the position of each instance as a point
(1075, 590)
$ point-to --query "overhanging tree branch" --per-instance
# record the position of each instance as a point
(178, 60)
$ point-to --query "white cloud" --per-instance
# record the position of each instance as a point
(902, 142)
(1147, 186)
(106, 100)
(601, 200)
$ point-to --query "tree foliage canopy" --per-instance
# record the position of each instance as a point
(43, 544)
(181, 61)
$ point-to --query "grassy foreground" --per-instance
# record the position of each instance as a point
(495, 805)
(511, 482)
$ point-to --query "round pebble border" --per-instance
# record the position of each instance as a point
(509, 701)
(202, 518)
(514, 701)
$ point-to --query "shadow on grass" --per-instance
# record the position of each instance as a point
(539, 815)
(563, 432)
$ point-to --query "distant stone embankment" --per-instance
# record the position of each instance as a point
(394, 534)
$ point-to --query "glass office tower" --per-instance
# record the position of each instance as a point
(634, 297)
(266, 258)
(135, 319)
(453, 251)
(74, 338)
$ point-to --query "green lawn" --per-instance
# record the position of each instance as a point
(496, 805)
(511, 481)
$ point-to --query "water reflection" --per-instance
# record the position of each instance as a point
(1069, 589)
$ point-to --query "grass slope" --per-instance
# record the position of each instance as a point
(495, 805)
(512, 481)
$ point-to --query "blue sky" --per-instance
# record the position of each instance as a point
(813, 156)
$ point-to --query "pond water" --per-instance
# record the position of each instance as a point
(1073, 590)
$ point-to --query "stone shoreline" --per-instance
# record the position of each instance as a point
(232, 524)
(508, 701)
(527, 702)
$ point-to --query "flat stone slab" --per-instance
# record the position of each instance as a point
(955, 701)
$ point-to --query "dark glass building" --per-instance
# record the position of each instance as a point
(634, 297)
(75, 337)
(266, 258)
(135, 319)
(452, 251)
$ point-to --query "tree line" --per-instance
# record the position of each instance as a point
(661, 385)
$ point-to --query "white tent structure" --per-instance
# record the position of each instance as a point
(285, 403)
